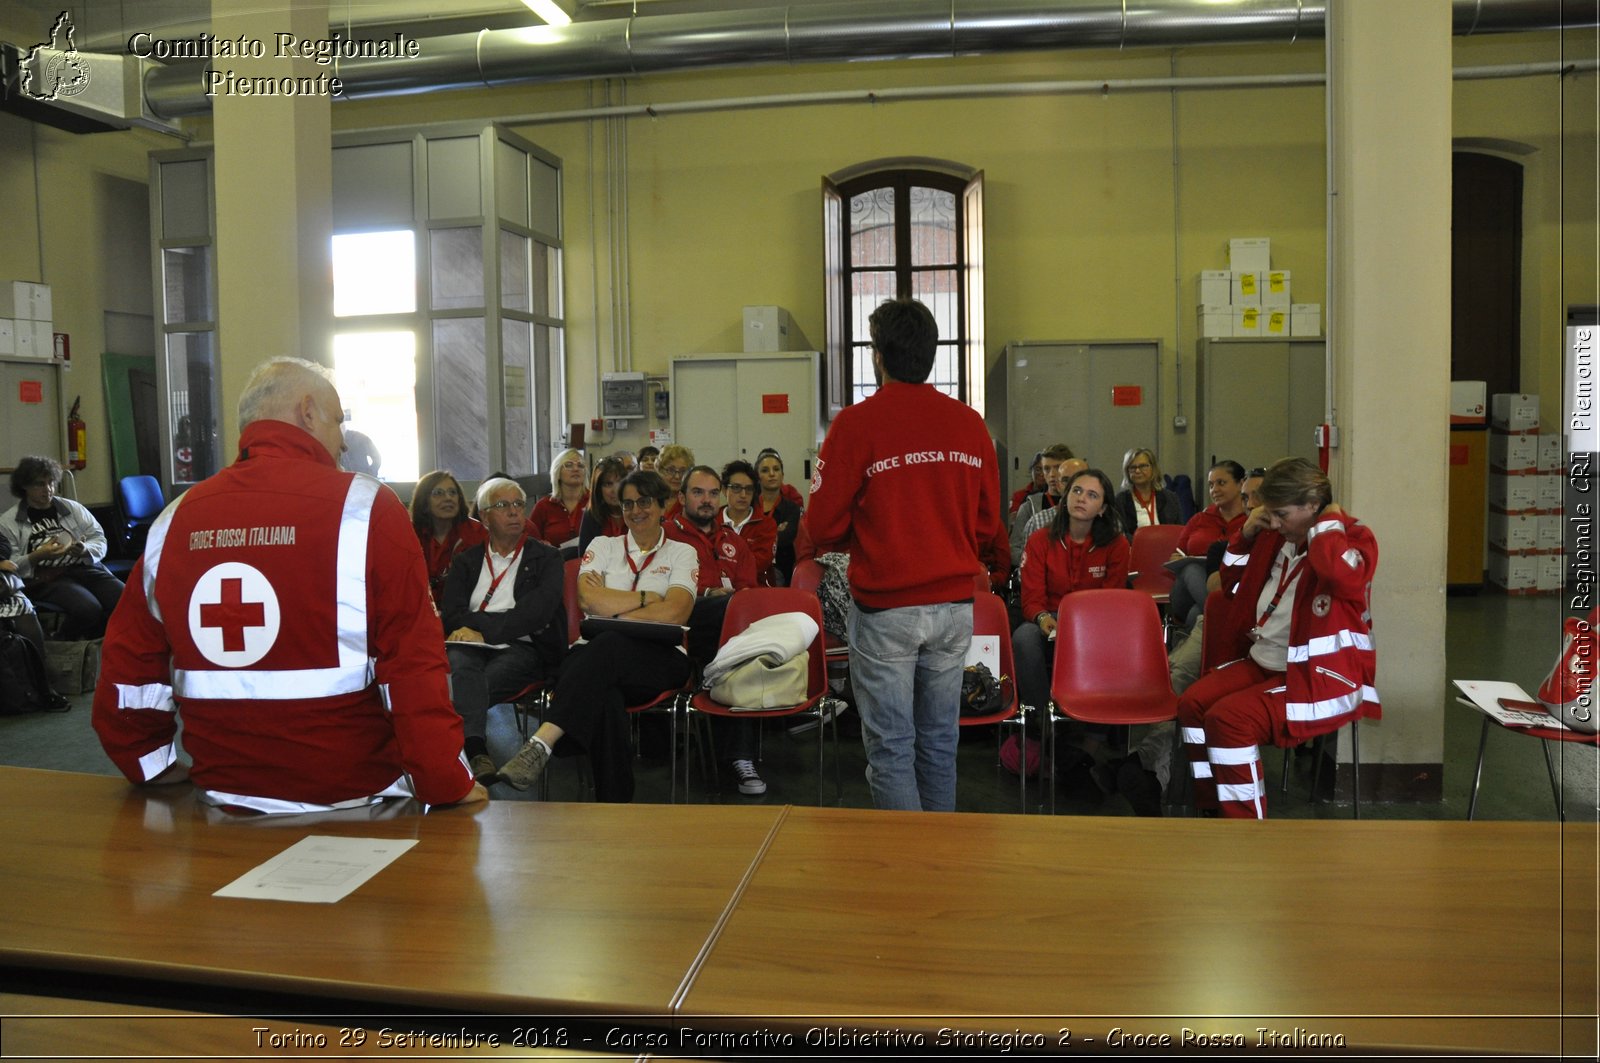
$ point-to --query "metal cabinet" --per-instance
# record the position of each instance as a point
(1259, 400)
(727, 406)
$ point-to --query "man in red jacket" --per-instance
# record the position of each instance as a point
(907, 483)
(282, 606)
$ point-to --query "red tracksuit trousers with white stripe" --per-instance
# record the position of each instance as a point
(1224, 716)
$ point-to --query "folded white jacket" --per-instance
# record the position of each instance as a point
(777, 637)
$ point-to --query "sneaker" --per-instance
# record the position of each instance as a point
(482, 766)
(749, 781)
(522, 770)
(56, 703)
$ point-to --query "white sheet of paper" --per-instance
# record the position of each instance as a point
(317, 869)
(1485, 695)
(985, 650)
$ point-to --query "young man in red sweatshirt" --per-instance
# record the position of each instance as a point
(907, 483)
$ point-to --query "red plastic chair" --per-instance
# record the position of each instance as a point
(1545, 735)
(748, 606)
(1110, 664)
(1153, 546)
(989, 618)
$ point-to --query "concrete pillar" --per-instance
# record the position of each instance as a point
(1389, 78)
(274, 185)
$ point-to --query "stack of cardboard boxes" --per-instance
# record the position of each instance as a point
(1525, 498)
(25, 328)
(1251, 299)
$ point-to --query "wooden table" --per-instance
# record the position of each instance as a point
(772, 922)
(1088, 924)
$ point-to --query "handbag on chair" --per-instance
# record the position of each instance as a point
(764, 682)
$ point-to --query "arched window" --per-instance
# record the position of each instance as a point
(904, 232)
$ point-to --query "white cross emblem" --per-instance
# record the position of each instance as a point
(233, 615)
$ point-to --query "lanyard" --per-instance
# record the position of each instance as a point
(638, 570)
(494, 581)
(1286, 576)
(1149, 507)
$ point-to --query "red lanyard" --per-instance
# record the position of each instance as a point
(1285, 577)
(1149, 507)
(494, 581)
(638, 570)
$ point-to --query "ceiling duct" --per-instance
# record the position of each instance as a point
(838, 31)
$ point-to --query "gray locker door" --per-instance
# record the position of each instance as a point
(1260, 400)
(31, 418)
(733, 406)
(1098, 398)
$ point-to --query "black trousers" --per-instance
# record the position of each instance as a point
(480, 678)
(86, 593)
(598, 680)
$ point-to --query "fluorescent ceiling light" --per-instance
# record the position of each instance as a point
(550, 11)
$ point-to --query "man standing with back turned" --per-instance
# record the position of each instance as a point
(905, 482)
(283, 606)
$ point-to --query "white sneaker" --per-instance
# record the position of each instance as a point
(749, 781)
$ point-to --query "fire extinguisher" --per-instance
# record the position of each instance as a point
(77, 437)
(183, 453)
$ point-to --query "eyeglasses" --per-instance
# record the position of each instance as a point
(740, 489)
(507, 506)
(1143, 466)
(673, 470)
(1255, 472)
(444, 492)
(629, 504)
(572, 465)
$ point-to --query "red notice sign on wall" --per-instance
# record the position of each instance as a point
(1127, 395)
(31, 392)
(778, 403)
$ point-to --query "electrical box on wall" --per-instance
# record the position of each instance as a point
(622, 395)
(663, 404)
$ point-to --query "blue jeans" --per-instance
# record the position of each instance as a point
(905, 668)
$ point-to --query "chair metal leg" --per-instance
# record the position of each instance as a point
(1355, 766)
(1477, 776)
(1288, 758)
(1555, 787)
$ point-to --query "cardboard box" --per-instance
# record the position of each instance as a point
(1275, 288)
(1245, 289)
(1215, 321)
(1549, 490)
(1305, 319)
(1549, 571)
(1513, 453)
(1275, 321)
(1252, 254)
(1513, 572)
(1551, 528)
(1513, 493)
(1552, 453)
(25, 301)
(1512, 412)
(767, 328)
(1513, 532)
(8, 336)
(1469, 402)
(1216, 287)
(26, 341)
(1248, 321)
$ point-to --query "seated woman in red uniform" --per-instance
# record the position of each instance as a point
(1218, 521)
(641, 575)
(603, 514)
(1296, 629)
(1083, 548)
(759, 531)
(556, 517)
(439, 514)
(783, 504)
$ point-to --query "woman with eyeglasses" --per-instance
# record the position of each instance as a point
(783, 504)
(1143, 499)
(556, 518)
(759, 531)
(673, 463)
(439, 515)
(1215, 523)
(641, 575)
(603, 515)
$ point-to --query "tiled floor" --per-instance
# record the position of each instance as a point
(1489, 637)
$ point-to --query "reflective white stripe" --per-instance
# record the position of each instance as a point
(401, 787)
(388, 706)
(354, 671)
(1320, 527)
(154, 541)
(1306, 711)
(1352, 557)
(1194, 736)
(1200, 769)
(1323, 645)
(157, 761)
(145, 696)
(1233, 754)
(1229, 558)
(1239, 792)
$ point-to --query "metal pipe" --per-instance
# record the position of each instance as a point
(836, 31)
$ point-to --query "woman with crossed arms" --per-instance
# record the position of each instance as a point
(642, 575)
